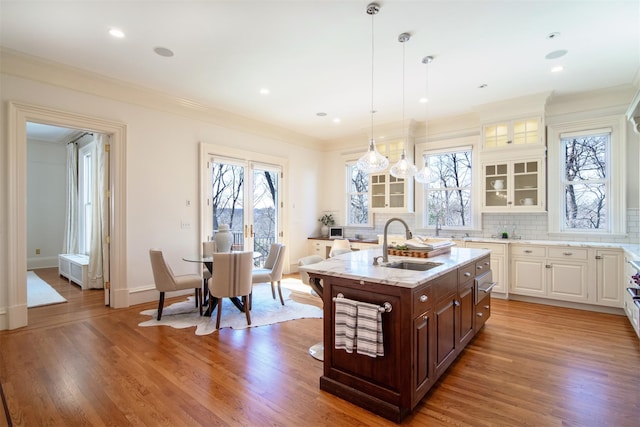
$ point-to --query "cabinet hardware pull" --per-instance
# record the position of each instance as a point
(486, 263)
(362, 282)
(425, 317)
(567, 253)
(488, 289)
(479, 314)
(527, 251)
(423, 298)
(486, 307)
(479, 267)
(456, 303)
(467, 274)
(548, 266)
(598, 257)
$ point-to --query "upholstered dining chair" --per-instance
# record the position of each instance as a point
(340, 246)
(231, 278)
(208, 248)
(166, 281)
(272, 270)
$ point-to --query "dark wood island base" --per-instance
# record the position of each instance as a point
(425, 331)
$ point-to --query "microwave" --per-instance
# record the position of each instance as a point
(336, 232)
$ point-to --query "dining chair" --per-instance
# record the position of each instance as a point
(272, 270)
(166, 281)
(208, 248)
(340, 246)
(231, 277)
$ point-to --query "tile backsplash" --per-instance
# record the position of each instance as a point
(531, 226)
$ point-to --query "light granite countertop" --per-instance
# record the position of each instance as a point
(358, 265)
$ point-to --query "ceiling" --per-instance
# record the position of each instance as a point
(315, 57)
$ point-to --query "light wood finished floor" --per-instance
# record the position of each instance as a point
(80, 363)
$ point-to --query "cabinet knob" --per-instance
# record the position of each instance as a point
(479, 267)
(598, 257)
(467, 274)
(425, 317)
(456, 303)
(423, 298)
(548, 266)
(486, 307)
(486, 263)
(362, 282)
(479, 314)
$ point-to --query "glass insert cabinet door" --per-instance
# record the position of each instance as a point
(496, 185)
(388, 192)
(525, 183)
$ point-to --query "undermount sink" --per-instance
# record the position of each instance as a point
(409, 265)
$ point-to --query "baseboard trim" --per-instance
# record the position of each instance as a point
(568, 304)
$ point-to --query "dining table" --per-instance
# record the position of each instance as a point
(208, 262)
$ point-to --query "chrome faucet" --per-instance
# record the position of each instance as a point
(385, 255)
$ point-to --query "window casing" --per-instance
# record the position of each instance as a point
(357, 202)
(448, 197)
(586, 177)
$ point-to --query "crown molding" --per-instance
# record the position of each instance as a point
(33, 68)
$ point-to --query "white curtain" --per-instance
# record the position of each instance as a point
(70, 243)
(99, 247)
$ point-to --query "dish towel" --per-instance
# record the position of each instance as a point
(369, 340)
(345, 324)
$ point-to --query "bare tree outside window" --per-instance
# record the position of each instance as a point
(448, 195)
(357, 196)
(586, 182)
(227, 195)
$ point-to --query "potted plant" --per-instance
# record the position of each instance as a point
(327, 221)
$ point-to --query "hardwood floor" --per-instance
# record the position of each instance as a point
(80, 363)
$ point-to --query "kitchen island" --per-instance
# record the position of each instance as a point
(427, 319)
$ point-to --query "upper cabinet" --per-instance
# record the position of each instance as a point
(388, 193)
(514, 185)
(526, 132)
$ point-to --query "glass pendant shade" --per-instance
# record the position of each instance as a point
(372, 160)
(424, 175)
(404, 168)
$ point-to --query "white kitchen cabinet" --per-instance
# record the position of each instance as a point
(568, 273)
(388, 193)
(528, 270)
(510, 134)
(322, 247)
(499, 254)
(555, 272)
(514, 185)
(611, 282)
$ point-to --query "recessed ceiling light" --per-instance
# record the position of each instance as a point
(557, 69)
(264, 91)
(556, 54)
(321, 114)
(163, 51)
(336, 120)
(116, 32)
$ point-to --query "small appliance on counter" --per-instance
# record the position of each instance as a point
(336, 232)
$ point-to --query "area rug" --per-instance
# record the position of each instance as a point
(265, 311)
(40, 292)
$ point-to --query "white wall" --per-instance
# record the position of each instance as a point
(162, 168)
(46, 182)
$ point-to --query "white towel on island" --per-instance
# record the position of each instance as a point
(369, 340)
(345, 324)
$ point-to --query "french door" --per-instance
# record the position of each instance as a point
(245, 195)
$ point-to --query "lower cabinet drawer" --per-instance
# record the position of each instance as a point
(483, 312)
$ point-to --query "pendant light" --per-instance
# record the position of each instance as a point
(404, 168)
(424, 175)
(372, 161)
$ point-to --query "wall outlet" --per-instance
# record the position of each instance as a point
(37, 251)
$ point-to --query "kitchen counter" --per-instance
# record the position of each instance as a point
(358, 265)
(351, 239)
(426, 318)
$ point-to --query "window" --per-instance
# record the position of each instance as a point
(587, 177)
(85, 197)
(357, 196)
(448, 196)
(585, 180)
